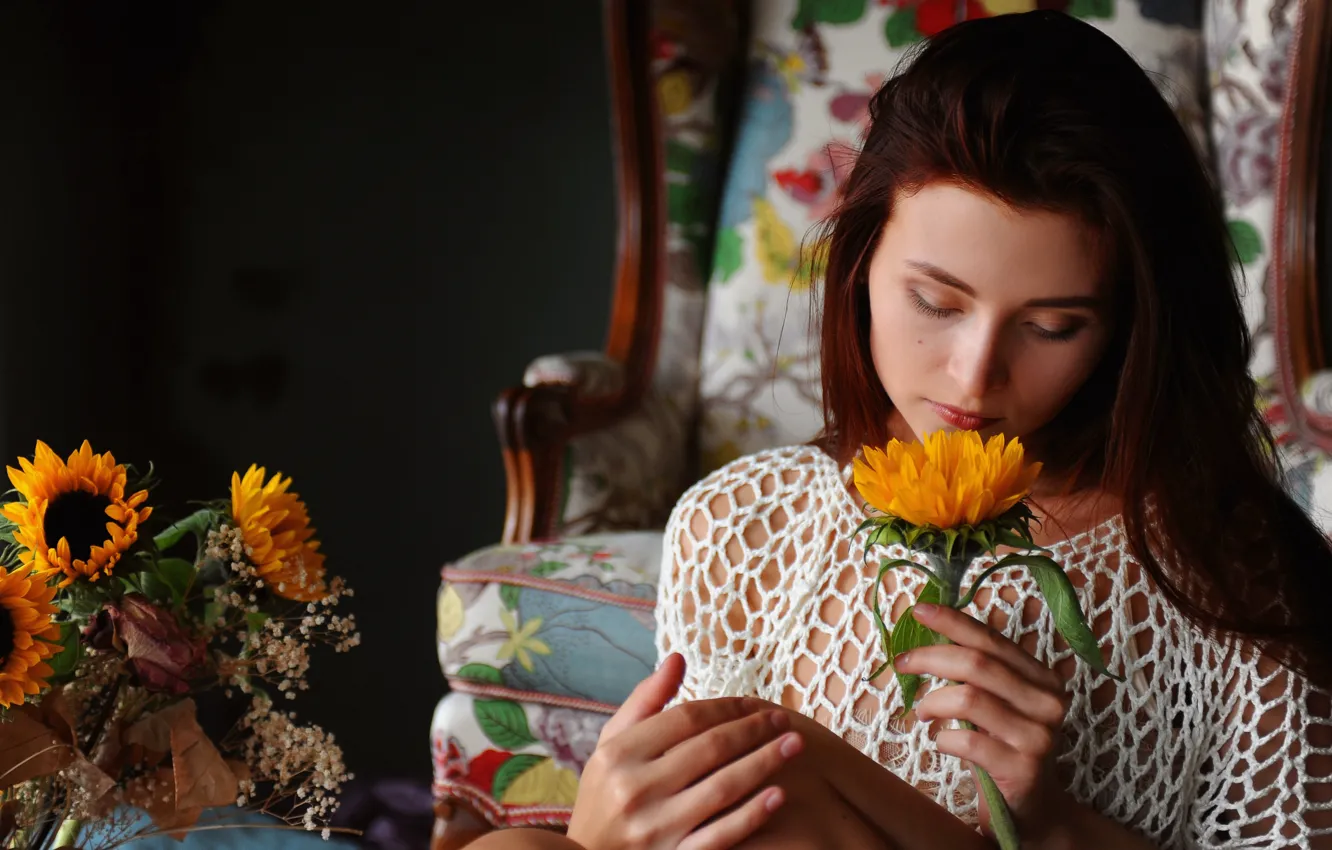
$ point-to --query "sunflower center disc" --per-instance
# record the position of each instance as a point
(79, 517)
(6, 634)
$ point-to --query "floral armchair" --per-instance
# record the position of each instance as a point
(735, 124)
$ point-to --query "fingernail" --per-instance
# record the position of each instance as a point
(774, 800)
(790, 745)
(902, 660)
(779, 720)
(751, 703)
(926, 609)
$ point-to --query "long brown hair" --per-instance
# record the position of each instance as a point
(1043, 111)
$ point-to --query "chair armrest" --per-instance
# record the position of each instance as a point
(589, 373)
(581, 457)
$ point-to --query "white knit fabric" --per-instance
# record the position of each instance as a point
(1206, 744)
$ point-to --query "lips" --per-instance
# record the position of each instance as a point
(965, 420)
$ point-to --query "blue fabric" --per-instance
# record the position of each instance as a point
(219, 839)
(598, 651)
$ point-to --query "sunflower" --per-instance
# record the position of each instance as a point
(62, 523)
(277, 533)
(951, 479)
(28, 637)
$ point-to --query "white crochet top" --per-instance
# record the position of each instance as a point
(1206, 743)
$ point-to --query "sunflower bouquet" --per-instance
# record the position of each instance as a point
(141, 662)
(950, 500)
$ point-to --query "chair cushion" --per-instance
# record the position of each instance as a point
(540, 644)
(515, 763)
(813, 68)
(564, 623)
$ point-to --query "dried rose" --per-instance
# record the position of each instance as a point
(161, 654)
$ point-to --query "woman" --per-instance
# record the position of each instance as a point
(1027, 245)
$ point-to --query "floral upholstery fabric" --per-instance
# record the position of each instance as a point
(539, 643)
(628, 476)
(1248, 59)
(813, 68)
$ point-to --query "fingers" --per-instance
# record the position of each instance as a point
(995, 716)
(728, 786)
(656, 735)
(702, 754)
(964, 630)
(648, 698)
(996, 757)
(738, 825)
(984, 671)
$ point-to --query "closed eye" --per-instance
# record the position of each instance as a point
(929, 309)
(1062, 335)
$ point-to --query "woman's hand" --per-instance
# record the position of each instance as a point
(694, 777)
(1016, 704)
(838, 797)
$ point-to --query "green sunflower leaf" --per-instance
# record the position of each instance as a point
(511, 770)
(197, 523)
(82, 599)
(504, 722)
(153, 587)
(909, 634)
(178, 574)
(1062, 600)
(64, 662)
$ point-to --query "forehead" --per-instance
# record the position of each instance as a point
(993, 247)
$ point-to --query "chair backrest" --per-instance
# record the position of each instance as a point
(813, 67)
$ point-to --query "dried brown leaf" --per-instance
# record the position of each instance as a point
(154, 794)
(153, 731)
(57, 714)
(89, 777)
(29, 748)
(203, 777)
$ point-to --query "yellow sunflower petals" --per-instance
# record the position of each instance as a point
(946, 480)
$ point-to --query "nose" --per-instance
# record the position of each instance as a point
(978, 363)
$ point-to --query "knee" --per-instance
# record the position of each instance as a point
(524, 839)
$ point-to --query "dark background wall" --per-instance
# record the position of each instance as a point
(315, 235)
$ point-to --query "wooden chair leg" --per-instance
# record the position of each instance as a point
(456, 825)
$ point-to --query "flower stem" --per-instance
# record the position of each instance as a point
(1001, 817)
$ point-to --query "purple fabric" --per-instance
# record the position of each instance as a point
(393, 814)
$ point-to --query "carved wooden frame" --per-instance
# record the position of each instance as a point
(1295, 263)
(536, 423)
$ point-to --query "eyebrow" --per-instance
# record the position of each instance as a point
(949, 280)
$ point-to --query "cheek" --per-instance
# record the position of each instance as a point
(1054, 376)
(898, 345)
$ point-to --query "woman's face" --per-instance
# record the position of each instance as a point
(984, 317)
